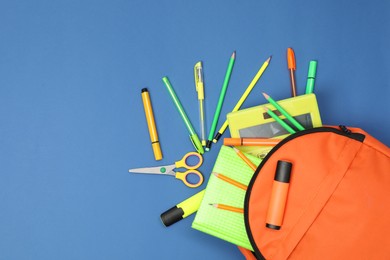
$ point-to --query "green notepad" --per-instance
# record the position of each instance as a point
(221, 223)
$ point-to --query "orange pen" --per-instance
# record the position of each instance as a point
(277, 203)
(251, 141)
(151, 124)
(291, 66)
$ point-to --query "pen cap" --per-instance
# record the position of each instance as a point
(291, 59)
(171, 216)
(157, 151)
(232, 141)
(283, 171)
(312, 69)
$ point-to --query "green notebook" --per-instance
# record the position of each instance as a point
(220, 223)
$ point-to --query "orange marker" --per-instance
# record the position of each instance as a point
(151, 124)
(227, 207)
(291, 66)
(245, 159)
(251, 141)
(279, 194)
(231, 181)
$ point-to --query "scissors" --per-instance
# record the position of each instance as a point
(183, 176)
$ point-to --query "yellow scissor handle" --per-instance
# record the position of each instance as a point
(184, 175)
(183, 162)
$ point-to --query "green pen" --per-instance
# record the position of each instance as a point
(220, 100)
(193, 136)
(280, 121)
(311, 76)
(284, 112)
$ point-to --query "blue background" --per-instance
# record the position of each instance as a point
(72, 120)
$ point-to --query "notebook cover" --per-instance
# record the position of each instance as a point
(221, 223)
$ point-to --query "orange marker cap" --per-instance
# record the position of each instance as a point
(232, 141)
(291, 59)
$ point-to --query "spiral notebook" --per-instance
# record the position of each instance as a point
(226, 225)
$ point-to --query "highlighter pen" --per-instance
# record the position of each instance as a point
(151, 124)
(198, 73)
(291, 67)
(277, 203)
(311, 76)
(220, 100)
(193, 136)
(182, 210)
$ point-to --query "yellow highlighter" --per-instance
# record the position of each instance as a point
(182, 210)
(151, 124)
(199, 84)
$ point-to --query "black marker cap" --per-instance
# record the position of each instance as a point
(144, 90)
(283, 171)
(272, 226)
(217, 136)
(171, 216)
(208, 144)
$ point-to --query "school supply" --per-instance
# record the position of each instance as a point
(251, 141)
(245, 159)
(283, 112)
(277, 201)
(221, 223)
(291, 67)
(337, 205)
(151, 124)
(198, 75)
(183, 176)
(311, 76)
(280, 121)
(227, 207)
(255, 122)
(220, 100)
(243, 97)
(193, 136)
(230, 180)
(182, 210)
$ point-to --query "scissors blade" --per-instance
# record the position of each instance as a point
(166, 170)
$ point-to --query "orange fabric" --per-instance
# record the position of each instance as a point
(338, 200)
(247, 253)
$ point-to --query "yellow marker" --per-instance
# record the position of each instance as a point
(151, 124)
(182, 210)
(199, 84)
(243, 97)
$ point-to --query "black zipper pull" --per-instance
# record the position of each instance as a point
(345, 129)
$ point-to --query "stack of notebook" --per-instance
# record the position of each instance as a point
(221, 223)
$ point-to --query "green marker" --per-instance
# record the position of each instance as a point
(311, 76)
(280, 121)
(284, 112)
(193, 136)
(220, 101)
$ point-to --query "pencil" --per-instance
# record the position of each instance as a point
(220, 101)
(245, 159)
(280, 121)
(231, 181)
(243, 97)
(283, 112)
(227, 207)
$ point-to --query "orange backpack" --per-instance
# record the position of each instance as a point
(337, 202)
